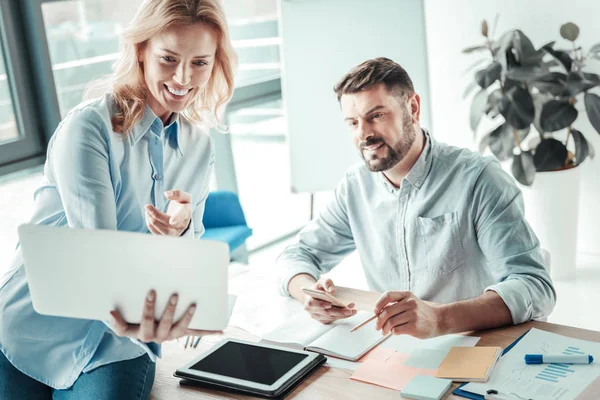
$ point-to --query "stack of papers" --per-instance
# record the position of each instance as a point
(542, 381)
(411, 357)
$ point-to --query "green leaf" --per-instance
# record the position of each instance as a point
(478, 108)
(501, 45)
(557, 115)
(578, 82)
(563, 57)
(487, 76)
(553, 76)
(517, 108)
(522, 45)
(484, 143)
(472, 85)
(474, 48)
(549, 155)
(592, 107)
(569, 31)
(552, 83)
(494, 103)
(501, 142)
(523, 168)
(554, 89)
(592, 77)
(539, 99)
(581, 146)
(527, 73)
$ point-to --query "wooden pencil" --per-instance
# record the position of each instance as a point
(364, 323)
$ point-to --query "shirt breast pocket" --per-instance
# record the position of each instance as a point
(442, 242)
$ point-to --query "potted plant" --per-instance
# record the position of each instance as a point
(536, 98)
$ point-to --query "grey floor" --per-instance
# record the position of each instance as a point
(577, 303)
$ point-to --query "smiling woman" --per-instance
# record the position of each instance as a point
(162, 49)
(177, 65)
(135, 159)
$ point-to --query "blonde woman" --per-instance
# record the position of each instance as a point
(134, 159)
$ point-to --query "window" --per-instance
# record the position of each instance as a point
(259, 145)
(22, 137)
(83, 41)
(8, 123)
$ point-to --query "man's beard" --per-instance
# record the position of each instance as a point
(394, 154)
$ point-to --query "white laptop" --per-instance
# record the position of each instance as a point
(84, 273)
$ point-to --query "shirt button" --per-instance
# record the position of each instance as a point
(157, 177)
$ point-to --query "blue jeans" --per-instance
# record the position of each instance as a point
(131, 379)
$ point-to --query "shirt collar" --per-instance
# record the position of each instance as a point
(419, 171)
(150, 122)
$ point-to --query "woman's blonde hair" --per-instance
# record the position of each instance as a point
(127, 84)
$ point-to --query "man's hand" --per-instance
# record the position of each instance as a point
(177, 218)
(324, 311)
(150, 330)
(403, 313)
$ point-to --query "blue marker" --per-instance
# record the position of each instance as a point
(558, 359)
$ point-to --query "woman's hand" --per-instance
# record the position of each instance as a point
(177, 218)
(150, 330)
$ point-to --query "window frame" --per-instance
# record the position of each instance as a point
(21, 35)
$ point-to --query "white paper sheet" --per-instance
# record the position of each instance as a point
(542, 381)
(340, 341)
(405, 344)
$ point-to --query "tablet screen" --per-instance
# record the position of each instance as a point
(251, 363)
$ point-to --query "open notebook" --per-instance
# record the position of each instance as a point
(335, 339)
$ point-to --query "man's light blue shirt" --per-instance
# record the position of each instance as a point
(96, 178)
(454, 229)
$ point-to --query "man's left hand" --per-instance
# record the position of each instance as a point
(403, 313)
(177, 218)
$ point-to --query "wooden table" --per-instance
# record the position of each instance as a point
(327, 382)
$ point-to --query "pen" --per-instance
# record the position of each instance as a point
(197, 341)
(496, 395)
(364, 323)
(558, 359)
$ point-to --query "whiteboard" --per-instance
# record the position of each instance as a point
(321, 41)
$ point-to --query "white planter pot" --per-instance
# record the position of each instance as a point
(552, 210)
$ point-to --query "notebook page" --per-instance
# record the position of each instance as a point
(298, 330)
(340, 342)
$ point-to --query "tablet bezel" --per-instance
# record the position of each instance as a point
(223, 379)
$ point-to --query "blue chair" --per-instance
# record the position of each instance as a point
(224, 221)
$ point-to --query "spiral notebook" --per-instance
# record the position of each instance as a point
(469, 364)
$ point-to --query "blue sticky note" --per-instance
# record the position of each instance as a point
(424, 387)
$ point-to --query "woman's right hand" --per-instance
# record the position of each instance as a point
(150, 330)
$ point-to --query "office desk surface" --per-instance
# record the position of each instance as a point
(325, 383)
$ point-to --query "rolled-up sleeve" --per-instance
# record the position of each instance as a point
(510, 246)
(321, 245)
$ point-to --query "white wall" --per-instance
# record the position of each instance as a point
(454, 25)
(322, 41)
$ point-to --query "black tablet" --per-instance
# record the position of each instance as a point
(254, 368)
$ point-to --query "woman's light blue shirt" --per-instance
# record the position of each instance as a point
(96, 178)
